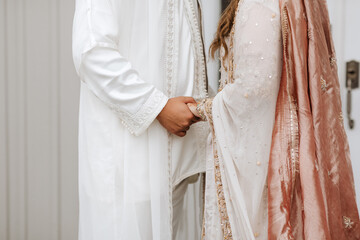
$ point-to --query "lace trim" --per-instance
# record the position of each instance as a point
(170, 48)
(170, 145)
(170, 86)
(200, 82)
(139, 121)
(200, 65)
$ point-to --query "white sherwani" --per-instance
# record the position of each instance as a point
(131, 56)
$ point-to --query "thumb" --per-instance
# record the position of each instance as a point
(188, 100)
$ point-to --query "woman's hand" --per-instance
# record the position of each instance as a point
(192, 107)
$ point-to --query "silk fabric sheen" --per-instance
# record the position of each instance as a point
(311, 192)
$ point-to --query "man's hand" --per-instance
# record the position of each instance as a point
(176, 116)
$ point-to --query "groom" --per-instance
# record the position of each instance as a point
(137, 153)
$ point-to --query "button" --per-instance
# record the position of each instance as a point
(258, 163)
(256, 234)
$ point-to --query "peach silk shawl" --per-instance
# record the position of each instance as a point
(310, 183)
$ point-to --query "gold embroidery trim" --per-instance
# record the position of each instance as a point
(341, 118)
(348, 223)
(294, 122)
(204, 108)
(324, 84)
(203, 181)
(224, 217)
(333, 60)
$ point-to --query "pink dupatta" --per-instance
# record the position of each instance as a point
(311, 186)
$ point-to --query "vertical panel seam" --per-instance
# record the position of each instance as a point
(25, 114)
(54, 111)
(6, 75)
(58, 127)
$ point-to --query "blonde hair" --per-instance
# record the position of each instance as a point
(224, 28)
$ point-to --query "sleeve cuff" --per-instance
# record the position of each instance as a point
(204, 107)
(142, 119)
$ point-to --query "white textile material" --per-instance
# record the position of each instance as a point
(188, 208)
(132, 56)
(243, 117)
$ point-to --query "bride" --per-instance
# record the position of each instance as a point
(278, 162)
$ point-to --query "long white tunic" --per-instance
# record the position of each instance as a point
(131, 57)
(243, 116)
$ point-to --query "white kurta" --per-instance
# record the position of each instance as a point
(131, 57)
(243, 116)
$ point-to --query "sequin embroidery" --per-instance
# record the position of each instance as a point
(347, 222)
(324, 84)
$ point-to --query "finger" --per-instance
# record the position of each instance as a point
(192, 108)
(195, 120)
(191, 105)
(181, 134)
(188, 100)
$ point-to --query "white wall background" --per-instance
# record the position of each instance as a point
(211, 14)
(345, 21)
(39, 108)
(38, 121)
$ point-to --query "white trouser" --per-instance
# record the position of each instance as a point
(188, 209)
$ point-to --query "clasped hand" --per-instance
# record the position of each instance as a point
(176, 116)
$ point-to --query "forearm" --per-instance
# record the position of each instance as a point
(112, 79)
(106, 72)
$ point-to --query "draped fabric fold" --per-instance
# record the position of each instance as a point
(242, 117)
(131, 56)
(311, 192)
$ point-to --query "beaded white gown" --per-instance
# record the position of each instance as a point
(242, 117)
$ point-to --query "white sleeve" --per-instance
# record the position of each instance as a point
(106, 72)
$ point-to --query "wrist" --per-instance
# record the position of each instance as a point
(162, 110)
(200, 109)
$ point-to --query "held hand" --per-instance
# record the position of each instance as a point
(192, 107)
(176, 117)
